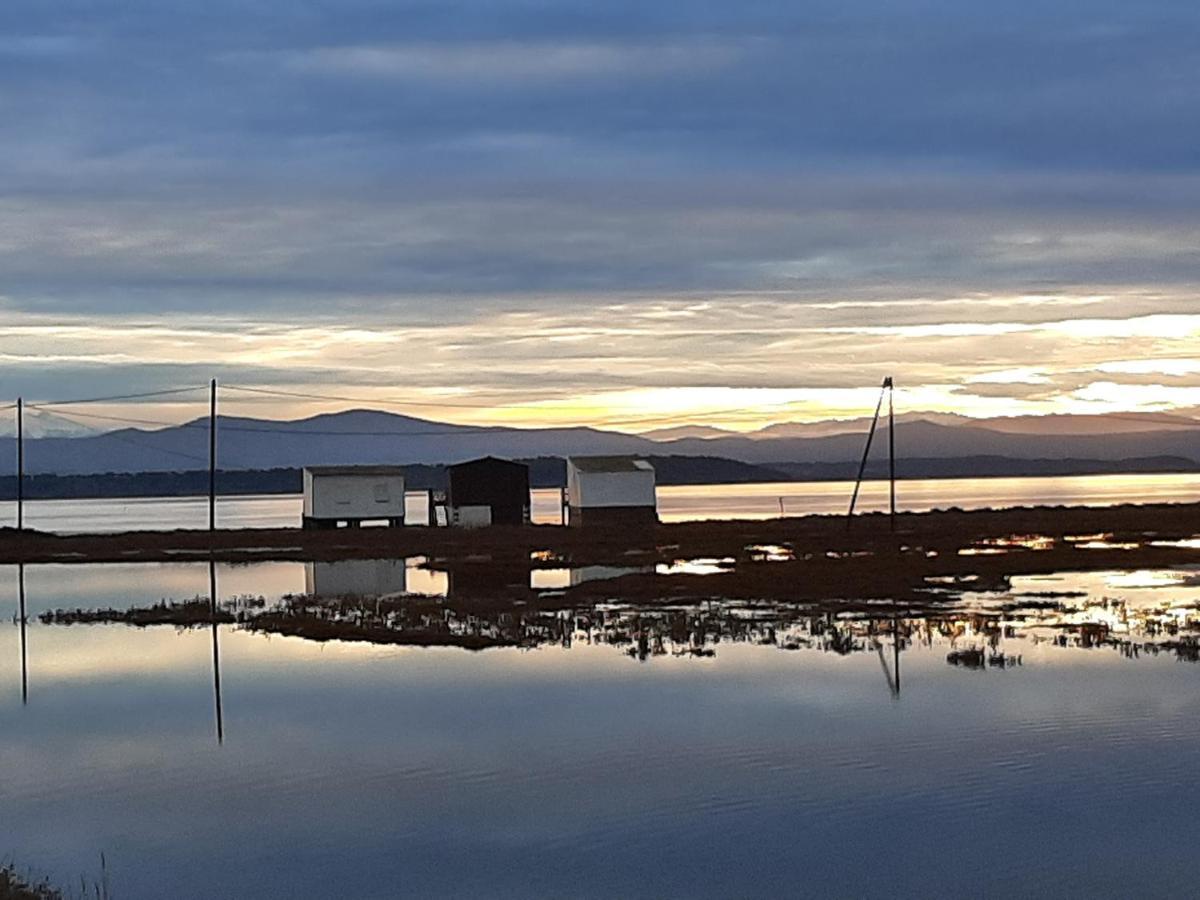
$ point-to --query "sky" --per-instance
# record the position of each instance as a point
(612, 213)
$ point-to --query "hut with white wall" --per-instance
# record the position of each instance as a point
(610, 490)
(352, 495)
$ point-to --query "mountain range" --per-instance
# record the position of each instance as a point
(371, 436)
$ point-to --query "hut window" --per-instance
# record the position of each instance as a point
(382, 494)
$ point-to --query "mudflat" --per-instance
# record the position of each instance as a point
(801, 558)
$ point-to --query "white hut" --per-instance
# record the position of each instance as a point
(351, 495)
(610, 490)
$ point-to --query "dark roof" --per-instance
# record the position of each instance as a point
(610, 464)
(494, 462)
(365, 471)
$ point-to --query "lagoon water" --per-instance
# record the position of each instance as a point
(676, 503)
(710, 751)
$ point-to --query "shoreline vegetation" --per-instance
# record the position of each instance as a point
(550, 472)
(643, 630)
(18, 884)
(816, 558)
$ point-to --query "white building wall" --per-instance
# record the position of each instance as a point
(590, 490)
(353, 496)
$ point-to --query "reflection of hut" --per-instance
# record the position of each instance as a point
(353, 495)
(356, 578)
(493, 576)
(610, 490)
(488, 491)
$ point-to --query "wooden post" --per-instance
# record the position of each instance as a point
(887, 382)
(20, 464)
(212, 456)
(862, 466)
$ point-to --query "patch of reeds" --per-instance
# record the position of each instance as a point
(182, 614)
(17, 884)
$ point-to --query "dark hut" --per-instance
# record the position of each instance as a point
(488, 491)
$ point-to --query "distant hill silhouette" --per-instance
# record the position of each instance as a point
(369, 436)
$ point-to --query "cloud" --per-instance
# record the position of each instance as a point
(515, 63)
(505, 198)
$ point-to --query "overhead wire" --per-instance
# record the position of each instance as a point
(450, 404)
(123, 438)
(114, 398)
(225, 427)
(126, 420)
(646, 420)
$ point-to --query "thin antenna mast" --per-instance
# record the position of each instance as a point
(20, 464)
(212, 456)
(862, 466)
(891, 389)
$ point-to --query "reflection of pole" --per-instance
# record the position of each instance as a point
(862, 466)
(896, 650)
(24, 641)
(20, 464)
(891, 677)
(212, 600)
(212, 457)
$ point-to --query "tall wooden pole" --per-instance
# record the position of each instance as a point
(887, 382)
(20, 464)
(862, 466)
(212, 456)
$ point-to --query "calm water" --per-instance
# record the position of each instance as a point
(676, 503)
(712, 750)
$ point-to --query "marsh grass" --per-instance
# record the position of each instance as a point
(18, 884)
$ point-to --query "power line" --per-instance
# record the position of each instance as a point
(341, 399)
(129, 421)
(457, 431)
(125, 439)
(630, 420)
(112, 399)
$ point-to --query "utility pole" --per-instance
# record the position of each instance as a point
(888, 389)
(20, 464)
(891, 389)
(212, 456)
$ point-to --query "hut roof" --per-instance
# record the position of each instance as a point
(366, 471)
(489, 462)
(610, 464)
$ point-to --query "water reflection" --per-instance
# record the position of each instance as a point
(216, 649)
(356, 578)
(365, 603)
(891, 675)
(587, 742)
(24, 627)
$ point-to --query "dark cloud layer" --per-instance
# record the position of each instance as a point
(309, 128)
